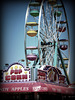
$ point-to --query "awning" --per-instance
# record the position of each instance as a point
(24, 87)
(36, 87)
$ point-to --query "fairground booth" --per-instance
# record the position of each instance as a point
(45, 75)
(18, 83)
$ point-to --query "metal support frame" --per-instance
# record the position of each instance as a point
(55, 55)
(33, 74)
(63, 65)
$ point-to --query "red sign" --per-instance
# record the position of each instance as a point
(41, 75)
(24, 87)
(36, 87)
(16, 72)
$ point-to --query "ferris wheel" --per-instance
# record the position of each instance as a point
(47, 34)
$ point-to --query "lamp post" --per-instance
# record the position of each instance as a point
(6, 66)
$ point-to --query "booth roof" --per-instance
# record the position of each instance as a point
(36, 87)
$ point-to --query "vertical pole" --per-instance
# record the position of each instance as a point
(43, 51)
(56, 44)
(55, 56)
(36, 96)
(32, 74)
(35, 74)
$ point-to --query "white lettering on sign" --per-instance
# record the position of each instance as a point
(20, 89)
(4, 89)
(58, 90)
(44, 88)
(37, 88)
(54, 89)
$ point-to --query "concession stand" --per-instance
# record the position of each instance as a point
(17, 83)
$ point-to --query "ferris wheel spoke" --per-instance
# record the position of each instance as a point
(43, 23)
(49, 60)
(45, 18)
(43, 32)
(51, 23)
(42, 39)
(51, 13)
(53, 26)
(35, 19)
(28, 28)
(52, 53)
(46, 46)
(47, 14)
(61, 31)
(49, 55)
(45, 55)
(55, 34)
(43, 35)
(64, 54)
(43, 58)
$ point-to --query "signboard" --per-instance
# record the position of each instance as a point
(23, 87)
(42, 75)
(35, 87)
(16, 73)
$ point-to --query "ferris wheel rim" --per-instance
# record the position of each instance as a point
(68, 37)
(27, 13)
